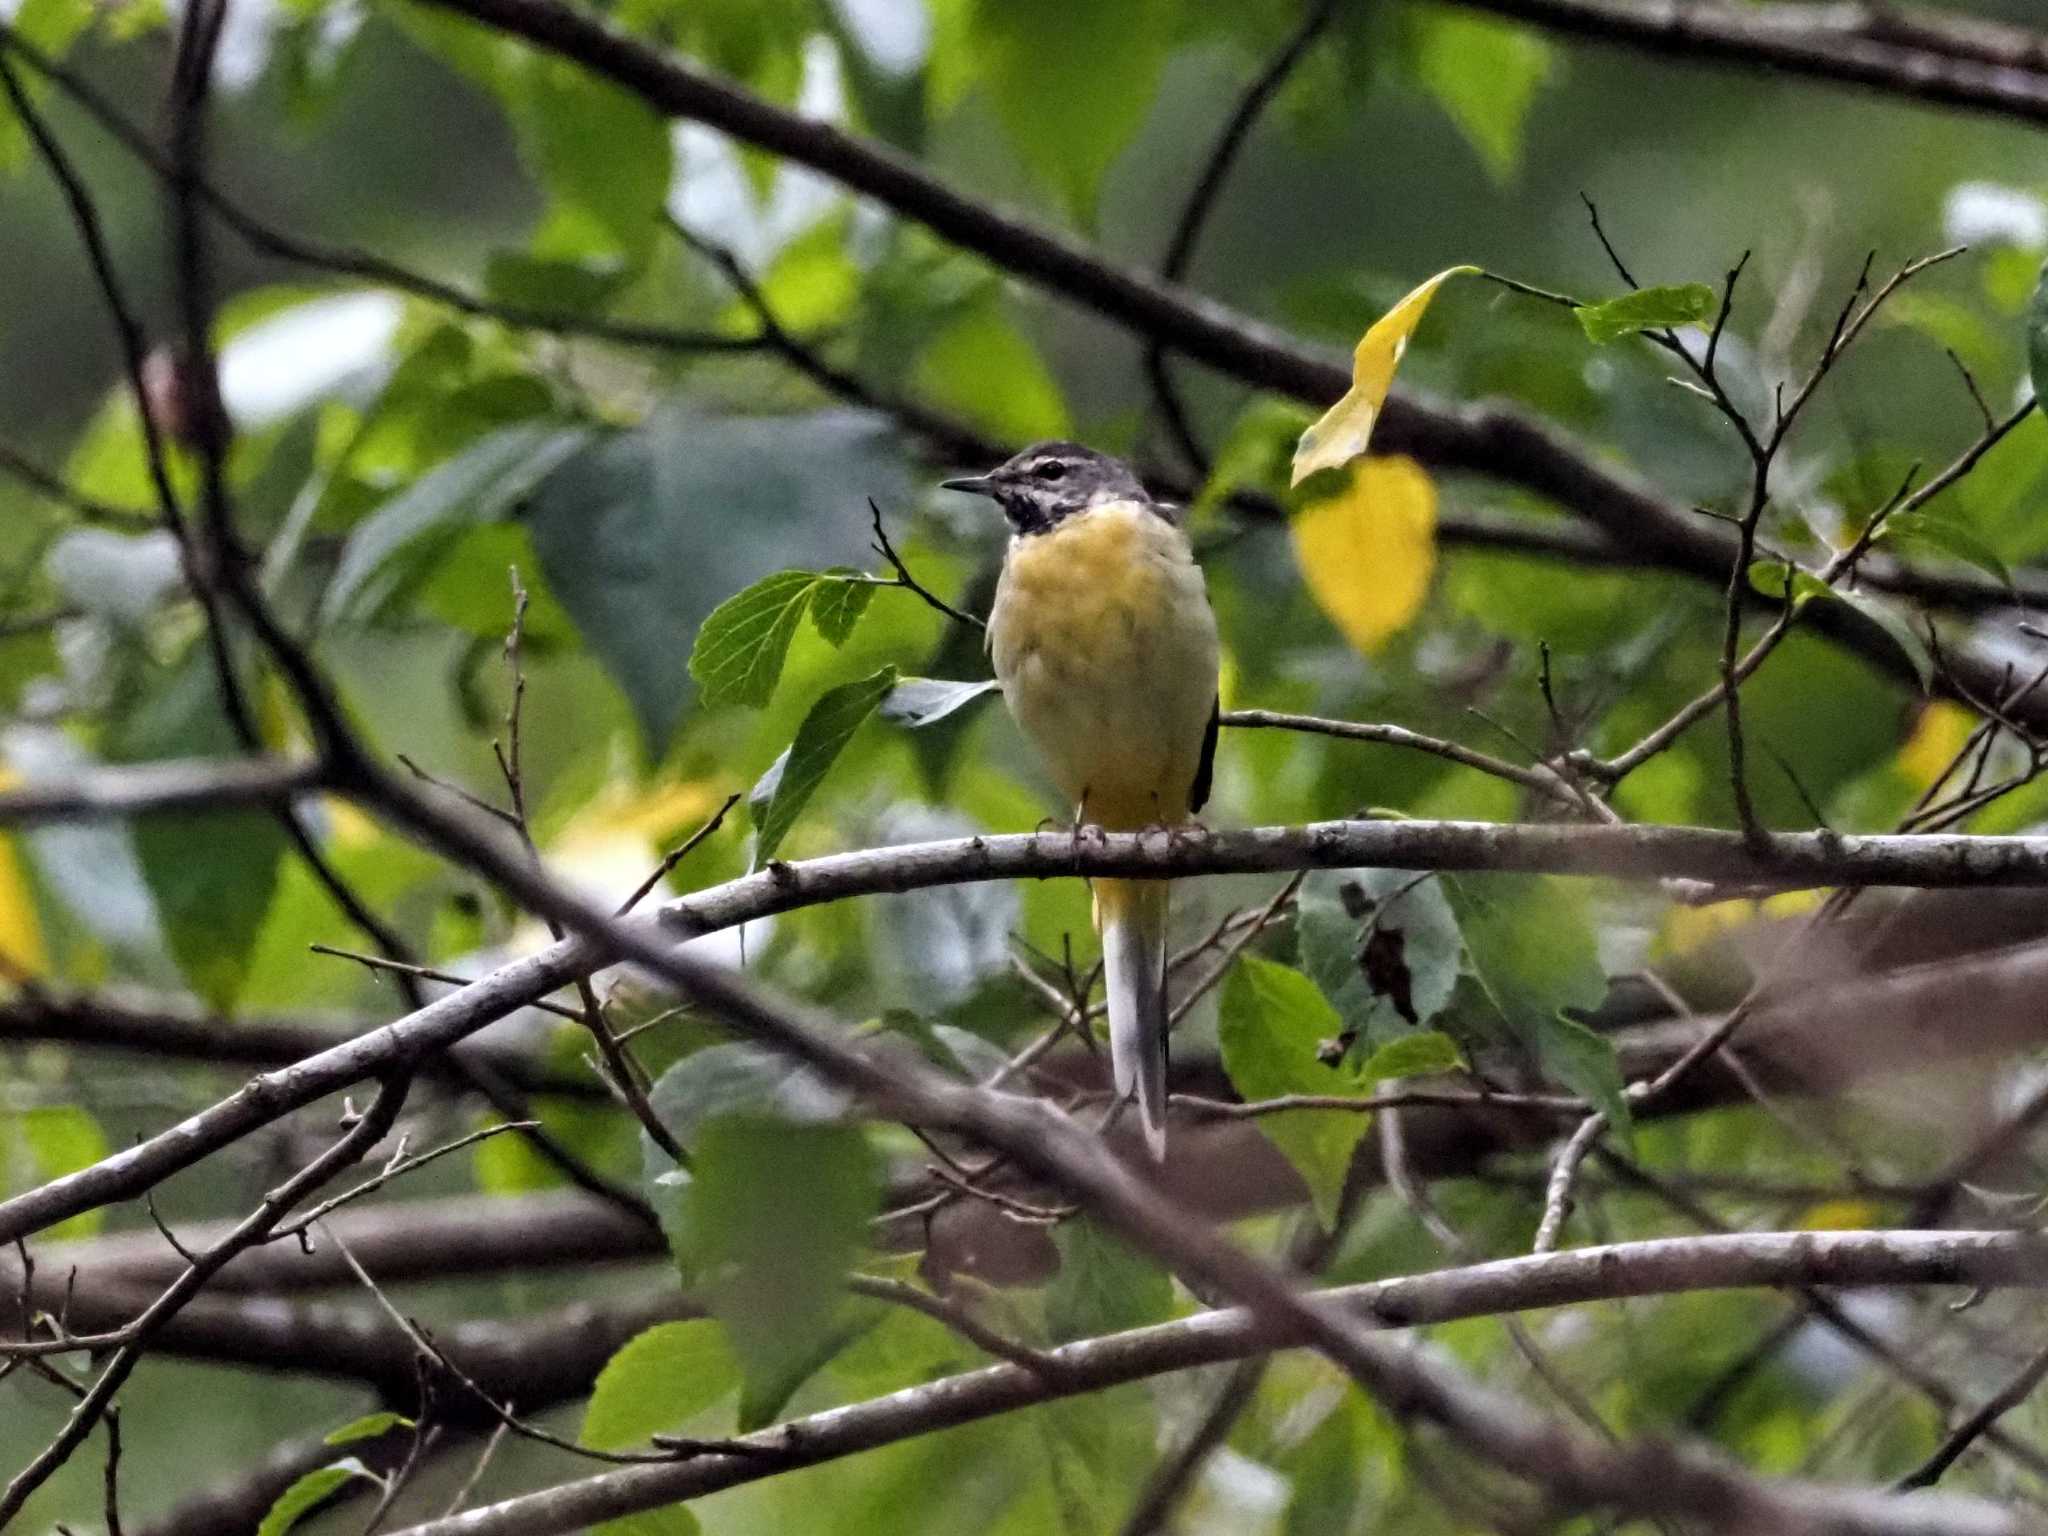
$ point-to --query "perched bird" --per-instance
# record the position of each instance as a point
(1106, 649)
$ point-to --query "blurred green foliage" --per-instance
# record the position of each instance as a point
(705, 617)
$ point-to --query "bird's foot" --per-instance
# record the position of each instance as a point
(1188, 832)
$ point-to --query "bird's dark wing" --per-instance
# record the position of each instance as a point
(1205, 771)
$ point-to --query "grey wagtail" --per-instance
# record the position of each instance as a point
(1106, 649)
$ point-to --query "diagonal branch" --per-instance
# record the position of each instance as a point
(1922, 55)
(1194, 213)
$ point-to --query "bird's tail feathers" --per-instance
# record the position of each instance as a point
(1132, 916)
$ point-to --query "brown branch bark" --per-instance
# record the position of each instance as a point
(1913, 54)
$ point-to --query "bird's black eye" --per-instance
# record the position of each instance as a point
(1049, 469)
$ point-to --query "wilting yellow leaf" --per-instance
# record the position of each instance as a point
(1937, 737)
(1367, 552)
(1346, 428)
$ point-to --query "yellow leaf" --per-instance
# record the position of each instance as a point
(1367, 552)
(21, 933)
(350, 827)
(613, 842)
(1838, 1216)
(1689, 928)
(1346, 428)
(1792, 903)
(643, 812)
(1937, 737)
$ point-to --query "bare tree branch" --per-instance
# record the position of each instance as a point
(190, 784)
(1789, 859)
(168, 1029)
(1821, 1258)
(1915, 54)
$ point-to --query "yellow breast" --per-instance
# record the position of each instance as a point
(1102, 636)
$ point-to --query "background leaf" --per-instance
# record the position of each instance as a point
(656, 1383)
(686, 479)
(824, 734)
(212, 873)
(916, 702)
(1485, 74)
(1103, 1286)
(1272, 1028)
(778, 1211)
(1532, 950)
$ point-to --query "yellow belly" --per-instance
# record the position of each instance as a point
(1103, 640)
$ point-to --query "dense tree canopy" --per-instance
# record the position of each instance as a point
(543, 990)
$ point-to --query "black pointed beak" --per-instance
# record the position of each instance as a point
(973, 485)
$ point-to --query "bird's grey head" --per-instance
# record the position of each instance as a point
(1051, 481)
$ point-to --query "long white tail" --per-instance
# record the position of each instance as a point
(1132, 914)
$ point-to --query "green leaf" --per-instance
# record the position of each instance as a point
(981, 369)
(838, 603)
(1927, 532)
(1532, 951)
(1898, 625)
(1402, 924)
(602, 154)
(1420, 1055)
(1255, 454)
(1273, 1026)
(740, 649)
(1485, 75)
(367, 1427)
(559, 285)
(1647, 309)
(1104, 1285)
(634, 536)
(656, 1385)
(819, 741)
(732, 1079)
(777, 1213)
(52, 26)
(212, 873)
(1768, 578)
(471, 588)
(308, 1493)
(58, 1139)
(657, 1382)
(916, 702)
(395, 551)
(2037, 340)
(1070, 79)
